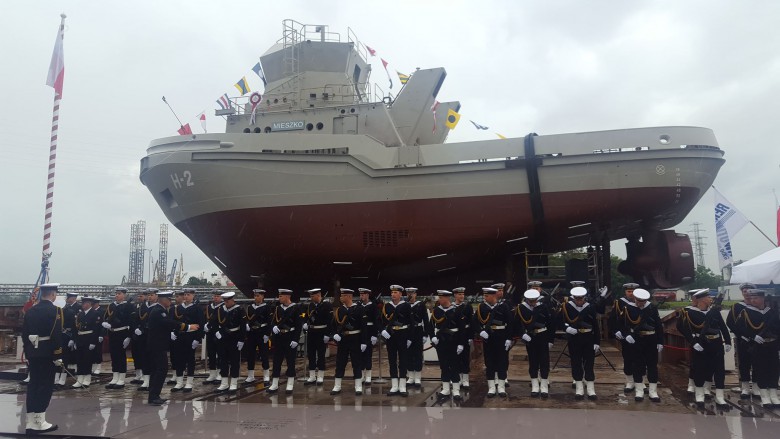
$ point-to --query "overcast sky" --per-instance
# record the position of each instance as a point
(518, 67)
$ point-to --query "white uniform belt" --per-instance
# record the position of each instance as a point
(356, 331)
(419, 324)
(119, 329)
(370, 324)
(318, 327)
(284, 331)
(498, 327)
(264, 325)
(44, 338)
(396, 328)
(85, 332)
(448, 331)
(234, 329)
(537, 331)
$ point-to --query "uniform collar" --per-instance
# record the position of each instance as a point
(285, 307)
(232, 307)
(578, 308)
(255, 306)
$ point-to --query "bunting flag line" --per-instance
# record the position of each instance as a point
(202, 118)
(478, 126)
(242, 86)
(255, 100)
(371, 51)
(728, 222)
(403, 78)
(452, 119)
(185, 130)
(258, 69)
(224, 102)
(433, 110)
(384, 63)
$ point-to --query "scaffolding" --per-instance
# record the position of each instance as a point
(162, 260)
(562, 268)
(135, 274)
(698, 243)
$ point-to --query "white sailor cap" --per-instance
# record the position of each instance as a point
(396, 288)
(410, 290)
(69, 294)
(444, 293)
(120, 290)
(498, 286)
(347, 291)
(488, 290)
(189, 290)
(747, 286)
(180, 292)
(459, 290)
(364, 291)
(314, 291)
(534, 283)
(531, 295)
(285, 292)
(228, 295)
(630, 286)
(216, 292)
(51, 286)
(577, 283)
(152, 291)
(579, 292)
(258, 291)
(164, 294)
(641, 294)
(89, 299)
(757, 292)
(702, 292)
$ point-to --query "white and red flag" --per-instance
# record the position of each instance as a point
(57, 66)
(255, 100)
(433, 110)
(371, 51)
(202, 118)
(185, 130)
(389, 78)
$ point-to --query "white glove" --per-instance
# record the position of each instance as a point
(247, 328)
(660, 347)
(173, 336)
(727, 348)
(100, 339)
(408, 343)
(435, 340)
(325, 338)
(603, 290)
(619, 335)
(507, 345)
(759, 339)
(293, 344)
(126, 343)
(206, 328)
(526, 338)
(275, 330)
(571, 330)
(424, 339)
(549, 345)
(265, 339)
(240, 345)
(698, 347)
(471, 342)
(218, 335)
(459, 349)
(484, 335)
(337, 337)
(305, 326)
(385, 334)
(630, 339)
(374, 340)
(106, 325)
(138, 331)
(91, 347)
(71, 344)
(363, 347)
(57, 362)
(596, 348)
(195, 344)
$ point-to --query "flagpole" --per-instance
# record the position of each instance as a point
(762, 232)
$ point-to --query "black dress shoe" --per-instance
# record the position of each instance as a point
(136, 381)
(592, 397)
(288, 392)
(335, 392)
(32, 432)
(170, 382)
(457, 398)
(119, 386)
(187, 389)
(175, 389)
(158, 401)
(143, 389)
(110, 386)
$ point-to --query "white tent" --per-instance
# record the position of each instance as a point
(763, 269)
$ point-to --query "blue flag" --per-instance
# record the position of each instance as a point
(259, 70)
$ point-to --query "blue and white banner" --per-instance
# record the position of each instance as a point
(728, 222)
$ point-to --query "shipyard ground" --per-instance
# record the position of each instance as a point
(312, 412)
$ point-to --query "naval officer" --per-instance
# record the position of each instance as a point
(286, 334)
(87, 340)
(467, 314)
(213, 345)
(351, 338)
(42, 339)
(371, 317)
(535, 324)
(418, 334)
(396, 321)
(643, 330)
(232, 334)
(447, 334)
(258, 317)
(318, 324)
(158, 343)
(69, 356)
(116, 322)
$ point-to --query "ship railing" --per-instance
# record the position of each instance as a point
(296, 31)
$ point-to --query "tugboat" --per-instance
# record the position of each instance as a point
(325, 177)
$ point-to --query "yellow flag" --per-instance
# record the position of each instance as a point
(500, 136)
(452, 119)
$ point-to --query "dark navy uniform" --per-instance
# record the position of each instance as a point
(213, 345)
(318, 319)
(350, 336)
(119, 316)
(42, 339)
(371, 325)
(97, 353)
(397, 323)
(89, 329)
(643, 326)
(743, 352)
(139, 321)
(185, 352)
(286, 320)
(419, 321)
(259, 319)
(495, 322)
(447, 333)
(536, 327)
(69, 355)
(706, 329)
(467, 314)
(232, 322)
(617, 323)
(762, 327)
(158, 343)
(583, 322)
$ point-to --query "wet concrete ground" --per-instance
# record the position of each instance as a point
(609, 387)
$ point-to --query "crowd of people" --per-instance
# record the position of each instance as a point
(166, 327)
